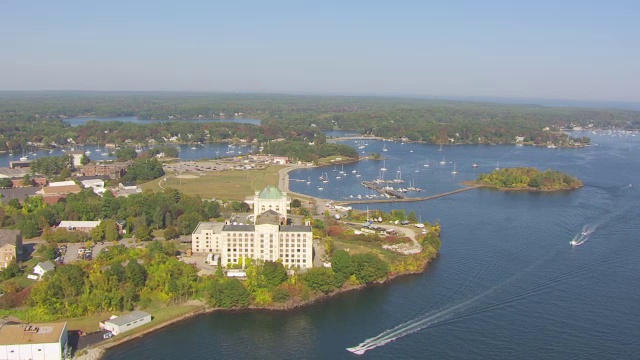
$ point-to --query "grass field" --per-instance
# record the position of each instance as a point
(224, 185)
(89, 323)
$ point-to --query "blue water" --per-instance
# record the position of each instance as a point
(507, 283)
(132, 119)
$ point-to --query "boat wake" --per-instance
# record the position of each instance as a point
(476, 305)
(582, 237)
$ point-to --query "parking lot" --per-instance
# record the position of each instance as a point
(71, 254)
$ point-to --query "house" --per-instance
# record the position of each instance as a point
(125, 322)
(34, 341)
(10, 247)
(269, 239)
(85, 226)
(42, 268)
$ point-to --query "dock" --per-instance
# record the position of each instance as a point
(406, 199)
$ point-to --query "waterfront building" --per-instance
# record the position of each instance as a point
(125, 322)
(269, 238)
(34, 341)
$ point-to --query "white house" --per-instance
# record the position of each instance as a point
(126, 322)
(34, 341)
(41, 268)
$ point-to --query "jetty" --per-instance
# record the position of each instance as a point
(406, 199)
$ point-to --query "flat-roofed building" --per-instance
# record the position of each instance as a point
(85, 226)
(47, 341)
(126, 322)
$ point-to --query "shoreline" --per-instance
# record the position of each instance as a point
(97, 352)
(527, 189)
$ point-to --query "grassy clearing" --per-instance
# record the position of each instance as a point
(89, 323)
(226, 185)
(358, 247)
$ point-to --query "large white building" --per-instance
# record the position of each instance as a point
(269, 239)
(33, 341)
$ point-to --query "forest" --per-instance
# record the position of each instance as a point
(527, 178)
(30, 119)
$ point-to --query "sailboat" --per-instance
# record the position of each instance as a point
(384, 147)
(440, 148)
(454, 169)
(326, 178)
(309, 180)
(498, 165)
(384, 165)
(417, 169)
(427, 164)
(342, 170)
(443, 161)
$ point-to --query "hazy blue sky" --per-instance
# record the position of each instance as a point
(537, 49)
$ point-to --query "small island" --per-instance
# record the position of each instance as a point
(527, 179)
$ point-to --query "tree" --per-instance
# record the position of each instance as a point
(228, 293)
(369, 267)
(26, 180)
(320, 279)
(143, 232)
(171, 233)
(342, 265)
(126, 154)
(29, 228)
(412, 218)
(274, 273)
(12, 270)
(84, 160)
(135, 274)
(6, 183)
(295, 203)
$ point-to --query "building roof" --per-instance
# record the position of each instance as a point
(8, 236)
(17, 334)
(78, 224)
(207, 225)
(295, 228)
(127, 318)
(239, 228)
(18, 193)
(271, 193)
(12, 173)
(62, 183)
(75, 188)
(268, 217)
(46, 265)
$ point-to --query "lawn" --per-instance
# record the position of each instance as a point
(89, 323)
(224, 185)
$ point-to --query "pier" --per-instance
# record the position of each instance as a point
(405, 199)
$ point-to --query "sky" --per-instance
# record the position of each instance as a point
(582, 50)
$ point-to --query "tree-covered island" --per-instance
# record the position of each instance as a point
(528, 178)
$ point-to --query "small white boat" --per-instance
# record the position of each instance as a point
(454, 169)
(443, 161)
